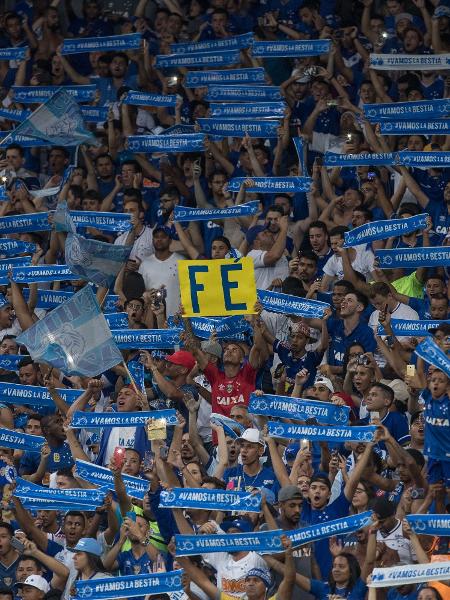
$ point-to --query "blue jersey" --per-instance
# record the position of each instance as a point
(322, 590)
(339, 341)
(397, 425)
(309, 361)
(237, 479)
(130, 565)
(437, 440)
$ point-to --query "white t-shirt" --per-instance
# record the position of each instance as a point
(401, 311)
(231, 573)
(265, 275)
(119, 436)
(363, 263)
(163, 272)
(142, 246)
(397, 541)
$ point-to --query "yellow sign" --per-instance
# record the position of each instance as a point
(217, 287)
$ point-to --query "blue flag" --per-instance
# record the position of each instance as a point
(259, 541)
(441, 127)
(121, 419)
(129, 586)
(297, 408)
(270, 110)
(193, 142)
(321, 433)
(146, 99)
(185, 213)
(410, 327)
(380, 230)
(27, 489)
(33, 94)
(48, 299)
(10, 362)
(198, 59)
(430, 352)
(237, 42)
(94, 114)
(247, 93)
(101, 476)
(231, 427)
(21, 441)
(74, 338)
(13, 53)
(202, 78)
(322, 531)
(286, 304)
(10, 247)
(426, 160)
(399, 111)
(8, 264)
(198, 498)
(25, 223)
(332, 159)
(147, 339)
(413, 258)
(409, 62)
(437, 524)
(110, 43)
(238, 127)
(272, 185)
(43, 273)
(117, 320)
(136, 369)
(290, 48)
(14, 114)
(34, 395)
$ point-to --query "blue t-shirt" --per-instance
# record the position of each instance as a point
(321, 590)
(339, 341)
(309, 361)
(437, 440)
(397, 425)
(130, 565)
(236, 479)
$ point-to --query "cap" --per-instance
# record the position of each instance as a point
(3, 301)
(89, 545)
(301, 328)
(442, 11)
(253, 232)
(263, 574)
(291, 452)
(4, 590)
(326, 382)
(400, 390)
(383, 508)
(164, 229)
(289, 492)
(181, 358)
(211, 347)
(251, 435)
(36, 581)
(402, 16)
(244, 525)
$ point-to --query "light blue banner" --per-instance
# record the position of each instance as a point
(247, 93)
(105, 221)
(399, 111)
(147, 99)
(147, 339)
(35, 94)
(201, 78)
(413, 258)
(167, 143)
(223, 327)
(74, 337)
(10, 247)
(85, 496)
(13, 53)
(185, 213)
(299, 409)
(44, 273)
(136, 369)
(25, 223)
(237, 42)
(319, 433)
(290, 48)
(117, 320)
(437, 524)
(10, 362)
(23, 140)
(48, 299)
(260, 542)
(110, 43)
(426, 160)
(21, 441)
(129, 586)
(3, 194)
(430, 352)
(34, 395)
(381, 230)
(8, 264)
(33, 504)
(332, 159)
(110, 305)
(300, 149)
(14, 114)
(198, 498)
(231, 127)
(94, 114)
(272, 185)
(441, 127)
(92, 420)
(270, 110)
(322, 531)
(231, 427)
(101, 476)
(203, 59)
(409, 62)
(285, 304)
(410, 328)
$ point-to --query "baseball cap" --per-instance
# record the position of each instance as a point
(326, 382)
(442, 11)
(251, 435)
(253, 232)
(263, 574)
(289, 492)
(383, 508)
(244, 525)
(402, 16)
(291, 452)
(211, 347)
(181, 358)
(36, 581)
(89, 545)
(400, 390)
(3, 301)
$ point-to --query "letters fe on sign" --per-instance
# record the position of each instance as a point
(217, 287)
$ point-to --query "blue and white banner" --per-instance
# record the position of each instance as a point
(14, 114)
(413, 258)
(8, 264)
(425, 160)
(198, 498)
(300, 149)
(290, 48)
(44, 273)
(298, 409)
(237, 42)
(25, 223)
(231, 127)
(409, 62)
(332, 159)
(85, 496)
(185, 213)
(110, 43)
(23, 140)
(74, 338)
(430, 352)
(121, 419)
(201, 78)
(48, 299)
(322, 531)
(136, 369)
(13, 53)
(319, 433)
(410, 328)
(223, 327)
(94, 114)
(247, 93)
(260, 542)
(220, 58)
(21, 441)
(101, 476)
(285, 304)
(231, 427)
(194, 142)
(270, 110)
(34, 395)
(410, 574)
(380, 230)
(111, 303)
(32, 503)
(34, 94)
(147, 339)
(105, 221)
(3, 194)
(147, 99)
(272, 185)
(438, 524)
(441, 127)
(129, 586)
(10, 362)
(398, 111)
(58, 121)
(117, 320)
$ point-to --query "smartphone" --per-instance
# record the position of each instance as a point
(149, 460)
(362, 360)
(410, 370)
(164, 452)
(304, 445)
(371, 175)
(172, 81)
(374, 415)
(17, 545)
(119, 456)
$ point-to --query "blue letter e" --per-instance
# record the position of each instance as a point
(196, 287)
(227, 286)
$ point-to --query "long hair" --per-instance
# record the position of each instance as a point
(354, 569)
(95, 562)
(437, 594)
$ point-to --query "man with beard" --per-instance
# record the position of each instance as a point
(304, 267)
(169, 198)
(143, 242)
(318, 239)
(272, 223)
